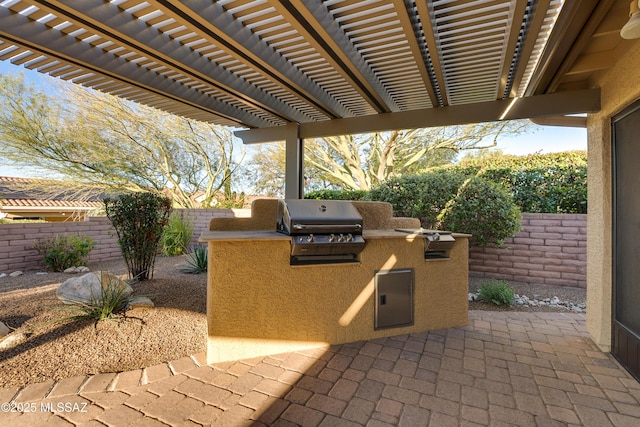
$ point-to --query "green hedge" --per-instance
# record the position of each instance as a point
(539, 183)
(336, 195)
(484, 197)
(449, 200)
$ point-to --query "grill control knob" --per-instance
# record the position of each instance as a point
(310, 238)
(332, 238)
(349, 237)
(341, 238)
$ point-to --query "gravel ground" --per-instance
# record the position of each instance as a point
(56, 348)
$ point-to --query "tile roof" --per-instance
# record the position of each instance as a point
(22, 192)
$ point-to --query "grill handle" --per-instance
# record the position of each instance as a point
(337, 227)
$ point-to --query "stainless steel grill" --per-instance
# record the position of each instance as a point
(322, 231)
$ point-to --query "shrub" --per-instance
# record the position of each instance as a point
(448, 200)
(139, 220)
(336, 195)
(197, 261)
(539, 183)
(497, 292)
(62, 252)
(176, 235)
(483, 209)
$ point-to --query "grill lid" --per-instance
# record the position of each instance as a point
(298, 216)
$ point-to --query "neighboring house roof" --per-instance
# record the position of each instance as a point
(21, 197)
(4, 203)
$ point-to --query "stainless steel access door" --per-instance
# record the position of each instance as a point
(393, 298)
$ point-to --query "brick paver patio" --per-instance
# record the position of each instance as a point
(503, 369)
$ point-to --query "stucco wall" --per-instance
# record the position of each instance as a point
(257, 304)
(619, 88)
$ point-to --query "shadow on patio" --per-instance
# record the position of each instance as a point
(504, 368)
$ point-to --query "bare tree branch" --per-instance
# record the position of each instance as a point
(88, 137)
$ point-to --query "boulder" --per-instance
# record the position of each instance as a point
(83, 269)
(4, 330)
(71, 270)
(3, 275)
(88, 287)
(16, 274)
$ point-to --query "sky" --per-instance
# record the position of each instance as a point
(547, 139)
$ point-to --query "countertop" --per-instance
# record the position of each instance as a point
(211, 236)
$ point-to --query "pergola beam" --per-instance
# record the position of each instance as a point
(574, 102)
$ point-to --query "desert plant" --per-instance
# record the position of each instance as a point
(139, 219)
(112, 301)
(497, 292)
(176, 235)
(196, 261)
(62, 252)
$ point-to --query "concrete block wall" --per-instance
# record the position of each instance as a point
(200, 219)
(16, 241)
(550, 249)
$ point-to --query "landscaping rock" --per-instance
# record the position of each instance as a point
(140, 302)
(88, 287)
(3, 275)
(16, 274)
(536, 302)
(4, 330)
(83, 269)
(12, 341)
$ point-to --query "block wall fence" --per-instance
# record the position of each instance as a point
(16, 240)
(550, 249)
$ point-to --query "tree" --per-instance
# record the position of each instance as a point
(265, 169)
(87, 137)
(359, 162)
(483, 154)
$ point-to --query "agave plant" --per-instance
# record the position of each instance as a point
(196, 261)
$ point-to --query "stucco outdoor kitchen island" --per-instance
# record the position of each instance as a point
(259, 304)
